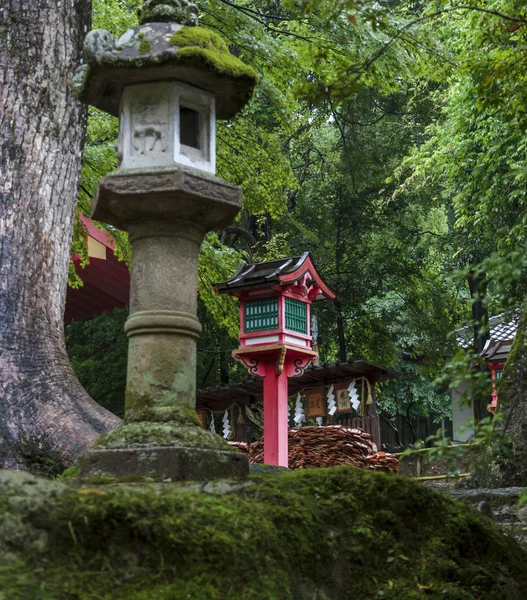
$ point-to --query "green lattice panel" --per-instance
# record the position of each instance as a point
(261, 315)
(295, 315)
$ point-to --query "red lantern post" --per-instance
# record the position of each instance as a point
(275, 338)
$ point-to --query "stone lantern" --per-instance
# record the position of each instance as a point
(167, 80)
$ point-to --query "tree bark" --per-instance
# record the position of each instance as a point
(44, 412)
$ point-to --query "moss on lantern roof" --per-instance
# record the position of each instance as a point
(199, 46)
(201, 37)
(157, 52)
(324, 534)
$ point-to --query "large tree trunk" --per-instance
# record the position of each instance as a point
(44, 412)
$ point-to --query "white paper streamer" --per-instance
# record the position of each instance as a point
(354, 395)
(212, 426)
(332, 405)
(226, 425)
(299, 416)
(319, 421)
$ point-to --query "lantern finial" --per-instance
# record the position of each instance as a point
(168, 11)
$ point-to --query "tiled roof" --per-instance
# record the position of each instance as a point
(262, 273)
(502, 327)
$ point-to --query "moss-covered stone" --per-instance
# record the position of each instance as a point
(322, 534)
(224, 64)
(170, 405)
(129, 435)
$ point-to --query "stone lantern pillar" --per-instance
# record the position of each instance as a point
(167, 80)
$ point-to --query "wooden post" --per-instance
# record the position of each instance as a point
(276, 419)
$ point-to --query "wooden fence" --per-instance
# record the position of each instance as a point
(401, 432)
(393, 433)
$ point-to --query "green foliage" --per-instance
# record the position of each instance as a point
(466, 458)
(413, 392)
(216, 263)
(475, 152)
(98, 351)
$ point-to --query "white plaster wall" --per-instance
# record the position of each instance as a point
(461, 413)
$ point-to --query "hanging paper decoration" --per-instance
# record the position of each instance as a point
(332, 405)
(226, 425)
(212, 426)
(319, 421)
(354, 395)
(299, 417)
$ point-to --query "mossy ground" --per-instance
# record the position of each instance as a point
(316, 534)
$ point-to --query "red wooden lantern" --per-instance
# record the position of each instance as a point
(275, 338)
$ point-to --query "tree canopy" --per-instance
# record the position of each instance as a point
(386, 138)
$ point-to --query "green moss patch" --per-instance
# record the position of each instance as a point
(145, 46)
(203, 47)
(316, 534)
(71, 473)
(200, 37)
(225, 64)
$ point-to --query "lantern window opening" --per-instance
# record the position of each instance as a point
(196, 128)
(190, 127)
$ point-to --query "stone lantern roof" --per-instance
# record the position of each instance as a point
(166, 45)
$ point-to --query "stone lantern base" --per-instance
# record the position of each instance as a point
(174, 463)
(178, 451)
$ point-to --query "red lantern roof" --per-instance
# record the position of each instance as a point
(299, 270)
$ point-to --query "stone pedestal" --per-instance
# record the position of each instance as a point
(167, 213)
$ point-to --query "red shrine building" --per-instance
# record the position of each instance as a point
(106, 280)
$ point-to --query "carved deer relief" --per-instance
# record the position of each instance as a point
(150, 118)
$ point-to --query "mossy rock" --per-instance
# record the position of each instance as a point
(315, 534)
